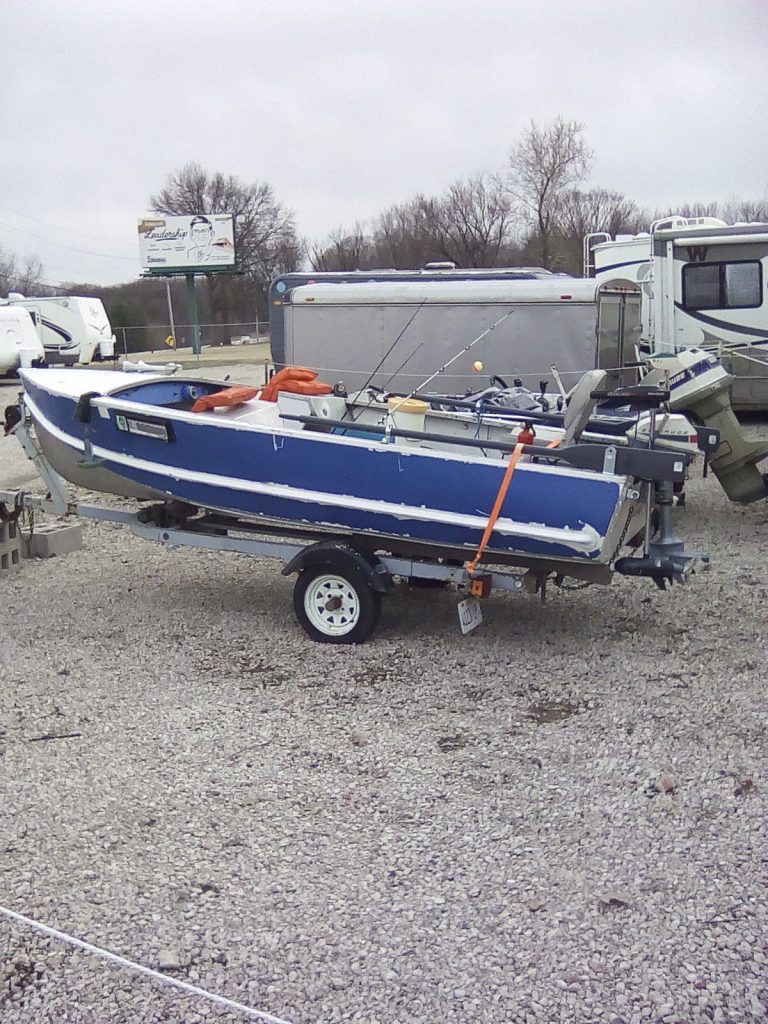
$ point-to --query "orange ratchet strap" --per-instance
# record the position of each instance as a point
(504, 487)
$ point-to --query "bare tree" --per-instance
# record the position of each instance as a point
(399, 237)
(344, 250)
(745, 210)
(472, 223)
(265, 234)
(580, 214)
(24, 276)
(688, 210)
(599, 209)
(547, 161)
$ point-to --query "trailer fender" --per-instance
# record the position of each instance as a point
(341, 557)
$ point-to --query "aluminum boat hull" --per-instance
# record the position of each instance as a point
(139, 438)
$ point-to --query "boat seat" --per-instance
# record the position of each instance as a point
(581, 404)
(262, 414)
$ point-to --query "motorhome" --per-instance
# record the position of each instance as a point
(19, 342)
(72, 328)
(703, 285)
(394, 334)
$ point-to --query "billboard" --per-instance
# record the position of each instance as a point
(193, 242)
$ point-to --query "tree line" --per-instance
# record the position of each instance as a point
(533, 212)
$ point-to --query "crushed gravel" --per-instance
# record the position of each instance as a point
(558, 818)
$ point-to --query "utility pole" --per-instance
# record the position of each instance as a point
(170, 309)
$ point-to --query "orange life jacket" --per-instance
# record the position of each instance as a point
(296, 380)
(228, 396)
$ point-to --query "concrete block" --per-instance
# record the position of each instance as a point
(10, 548)
(54, 539)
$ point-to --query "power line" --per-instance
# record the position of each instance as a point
(63, 245)
(55, 227)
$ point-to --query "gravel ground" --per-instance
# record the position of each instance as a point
(559, 818)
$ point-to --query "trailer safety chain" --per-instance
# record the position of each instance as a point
(622, 538)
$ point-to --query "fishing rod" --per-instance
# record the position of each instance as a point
(403, 364)
(355, 417)
(391, 347)
(450, 362)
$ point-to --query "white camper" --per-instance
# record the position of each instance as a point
(19, 342)
(395, 334)
(703, 284)
(73, 328)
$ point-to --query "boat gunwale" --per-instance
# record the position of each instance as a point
(212, 418)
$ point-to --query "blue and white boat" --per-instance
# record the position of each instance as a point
(396, 489)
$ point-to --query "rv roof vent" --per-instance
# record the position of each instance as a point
(706, 222)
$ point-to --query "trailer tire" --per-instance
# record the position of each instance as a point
(336, 605)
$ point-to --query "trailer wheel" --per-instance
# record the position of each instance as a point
(335, 605)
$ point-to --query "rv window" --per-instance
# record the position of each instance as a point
(722, 285)
(742, 284)
(701, 286)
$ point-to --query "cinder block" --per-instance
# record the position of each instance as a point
(10, 548)
(54, 539)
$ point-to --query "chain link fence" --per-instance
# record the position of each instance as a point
(159, 338)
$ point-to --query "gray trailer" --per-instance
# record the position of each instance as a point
(396, 334)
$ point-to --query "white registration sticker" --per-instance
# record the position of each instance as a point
(470, 614)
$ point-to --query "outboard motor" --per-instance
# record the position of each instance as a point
(700, 387)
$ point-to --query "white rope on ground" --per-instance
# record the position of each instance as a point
(185, 986)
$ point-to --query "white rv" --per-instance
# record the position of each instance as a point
(396, 334)
(19, 342)
(703, 285)
(73, 328)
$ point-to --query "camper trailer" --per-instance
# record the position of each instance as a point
(72, 328)
(19, 343)
(394, 334)
(282, 286)
(703, 284)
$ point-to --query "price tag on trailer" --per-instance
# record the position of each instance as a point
(470, 614)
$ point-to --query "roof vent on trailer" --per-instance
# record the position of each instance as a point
(676, 222)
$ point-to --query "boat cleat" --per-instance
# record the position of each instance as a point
(12, 417)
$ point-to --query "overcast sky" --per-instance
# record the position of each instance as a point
(347, 106)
